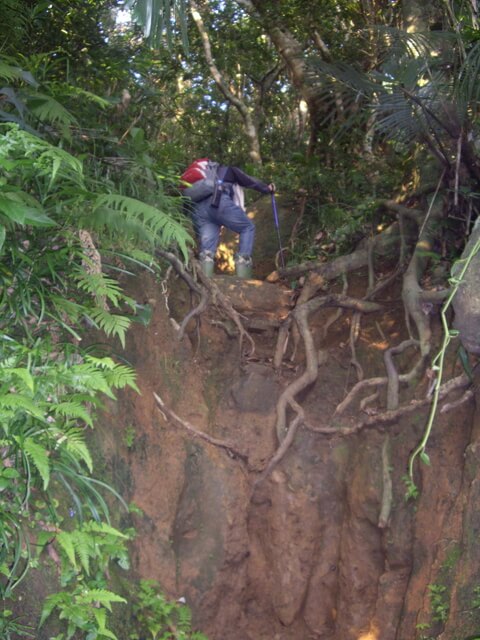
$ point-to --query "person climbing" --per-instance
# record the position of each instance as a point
(217, 201)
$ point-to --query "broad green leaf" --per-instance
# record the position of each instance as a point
(424, 457)
(10, 472)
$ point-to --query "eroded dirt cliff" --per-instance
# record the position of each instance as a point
(326, 546)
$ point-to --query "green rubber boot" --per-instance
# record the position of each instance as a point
(207, 263)
(243, 266)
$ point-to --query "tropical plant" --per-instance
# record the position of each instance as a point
(159, 619)
(11, 627)
(62, 223)
(85, 610)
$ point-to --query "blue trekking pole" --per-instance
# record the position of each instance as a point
(277, 225)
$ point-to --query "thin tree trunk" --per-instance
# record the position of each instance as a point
(248, 122)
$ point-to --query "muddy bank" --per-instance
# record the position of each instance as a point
(328, 548)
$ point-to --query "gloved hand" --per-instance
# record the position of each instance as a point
(271, 187)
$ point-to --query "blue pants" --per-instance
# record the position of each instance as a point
(208, 221)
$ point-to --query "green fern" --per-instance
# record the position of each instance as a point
(101, 597)
(40, 458)
(111, 324)
(73, 410)
(100, 286)
(75, 607)
(118, 376)
(92, 542)
(162, 228)
(18, 402)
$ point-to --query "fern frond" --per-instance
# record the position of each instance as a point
(64, 90)
(66, 541)
(23, 374)
(101, 596)
(84, 546)
(184, 618)
(80, 451)
(89, 378)
(117, 375)
(73, 410)
(104, 528)
(122, 376)
(100, 363)
(49, 605)
(19, 401)
(40, 458)
(100, 286)
(10, 73)
(162, 227)
(71, 309)
(112, 324)
(100, 617)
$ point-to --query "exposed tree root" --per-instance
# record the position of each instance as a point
(222, 301)
(227, 446)
(313, 283)
(285, 444)
(193, 286)
(207, 293)
(387, 492)
(388, 417)
(393, 383)
(287, 398)
(379, 382)
(354, 333)
(412, 291)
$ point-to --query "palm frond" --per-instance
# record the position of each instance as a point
(10, 72)
(157, 17)
(467, 87)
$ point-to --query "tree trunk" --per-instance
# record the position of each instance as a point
(244, 111)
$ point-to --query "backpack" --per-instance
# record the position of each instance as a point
(202, 177)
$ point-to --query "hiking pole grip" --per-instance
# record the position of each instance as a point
(277, 226)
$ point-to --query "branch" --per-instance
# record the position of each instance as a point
(376, 382)
(383, 243)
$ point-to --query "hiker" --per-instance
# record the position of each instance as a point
(217, 201)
